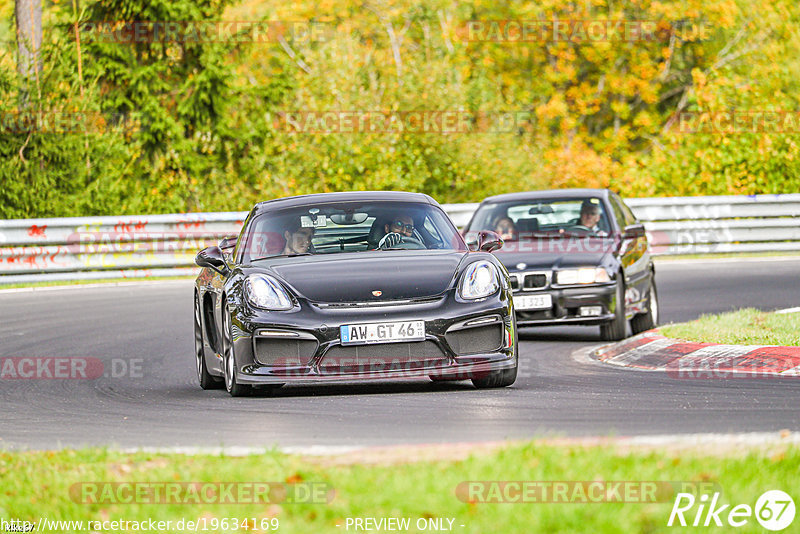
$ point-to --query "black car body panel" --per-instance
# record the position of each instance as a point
(398, 277)
(462, 339)
(623, 251)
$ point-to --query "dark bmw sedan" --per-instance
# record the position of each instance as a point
(575, 256)
(351, 286)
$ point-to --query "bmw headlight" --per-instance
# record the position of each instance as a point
(263, 291)
(585, 275)
(480, 280)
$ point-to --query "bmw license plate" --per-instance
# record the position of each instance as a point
(533, 302)
(355, 334)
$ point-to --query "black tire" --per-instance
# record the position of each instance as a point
(649, 319)
(503, 377)
(229, 356)
(207, 381)
(614, 330)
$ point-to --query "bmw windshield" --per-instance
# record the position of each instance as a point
(544, 219)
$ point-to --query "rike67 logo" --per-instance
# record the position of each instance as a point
(774, 510)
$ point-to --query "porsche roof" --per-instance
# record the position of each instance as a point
(363, 196)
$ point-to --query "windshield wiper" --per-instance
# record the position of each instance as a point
(284, 256)
(540, 235)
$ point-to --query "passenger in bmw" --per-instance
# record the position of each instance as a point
(505, 228)
(399, 227)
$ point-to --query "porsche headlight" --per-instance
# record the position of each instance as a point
(479, 280)
(263, 291)
(585, 275)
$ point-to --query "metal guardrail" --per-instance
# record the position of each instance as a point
(165, 245)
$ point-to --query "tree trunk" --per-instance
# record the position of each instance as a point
(29, 39)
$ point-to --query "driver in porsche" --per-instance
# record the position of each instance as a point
(399, 227)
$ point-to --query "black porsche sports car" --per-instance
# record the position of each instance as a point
(573, 255)
(343, 286)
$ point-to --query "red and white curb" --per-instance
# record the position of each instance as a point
(684, 359)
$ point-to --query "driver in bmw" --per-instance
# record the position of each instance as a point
(399, 227)
(590, 216)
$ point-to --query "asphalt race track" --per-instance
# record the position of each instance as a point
(144, 332)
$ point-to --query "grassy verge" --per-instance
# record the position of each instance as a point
(98, 281)
(37, 484)
(729, 255)
(743, 327)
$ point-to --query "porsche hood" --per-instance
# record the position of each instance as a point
(372, 276)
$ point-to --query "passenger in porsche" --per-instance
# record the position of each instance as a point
(298, 238)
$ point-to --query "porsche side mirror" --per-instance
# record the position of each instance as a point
(471, 239)
(212, 258)
(489, 241)
(227, 243)
(633, 231)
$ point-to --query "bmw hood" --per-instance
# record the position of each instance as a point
(545, 261)
(358, 277)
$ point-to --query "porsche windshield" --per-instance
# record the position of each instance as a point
(332, 228)
(544, 219)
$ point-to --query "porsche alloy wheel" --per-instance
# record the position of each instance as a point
(229, 357)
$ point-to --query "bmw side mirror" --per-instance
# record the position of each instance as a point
(489, 241)
(212, 258)
(634, 231)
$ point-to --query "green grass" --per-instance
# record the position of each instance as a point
(729, 255)
(36, 484)
(743, 327)
(99, 281)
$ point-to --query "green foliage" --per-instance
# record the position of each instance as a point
(191, 126)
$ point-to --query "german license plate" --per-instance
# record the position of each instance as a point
(533, 302)
(359, 334)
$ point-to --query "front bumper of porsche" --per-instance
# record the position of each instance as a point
(462, 340)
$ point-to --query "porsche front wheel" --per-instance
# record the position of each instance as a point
(504, 377)
(207, 381)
